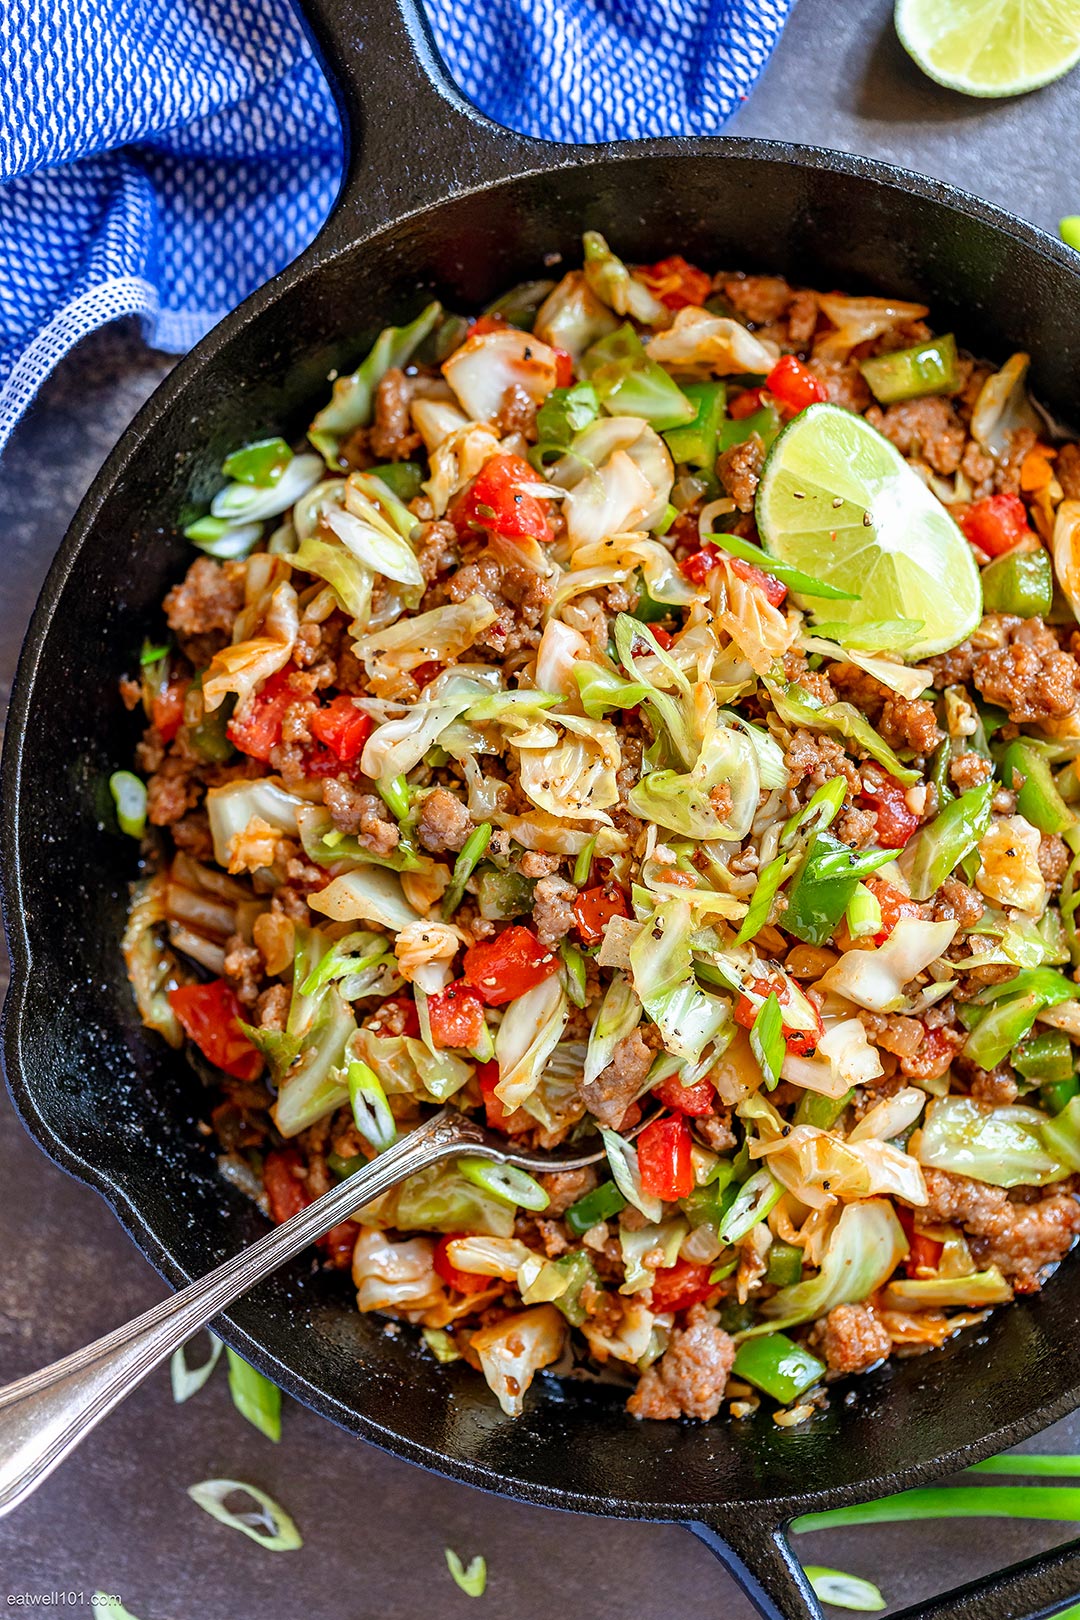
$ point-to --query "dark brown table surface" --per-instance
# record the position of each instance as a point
(116, 1517)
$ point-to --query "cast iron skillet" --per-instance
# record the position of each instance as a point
(440, 199)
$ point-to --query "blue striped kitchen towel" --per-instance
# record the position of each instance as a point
(164, 157)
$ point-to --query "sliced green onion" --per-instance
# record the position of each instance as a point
(723, 1269)
(395, 795)
(769, 880)
(767, 1039)
(755, 1198)
(345, 1167)
(823, 806)
(441, 1344)
(261, 463)
(814, 1109)
(222, 539)
(129, 797)
(254, 1396)
(1059, 1503)
(153, 652)
(583, 864)
(109, 1608)
(1028, 1462)
(464, 867)
(271, 1526)
(794, 577)
(863, 913)
(574, 963)
(505, 1181)
(472, 1580)
(187, 1381)
(844, 1591)
(370, 1109)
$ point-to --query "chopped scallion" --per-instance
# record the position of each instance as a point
(129, 797)
(504, 1181)
(254, 1396)
(370, 1109)
(187, 1381)
(471, 853)
(767, 1039)
(270, 1526)
(844, 1591)
(471, 1580)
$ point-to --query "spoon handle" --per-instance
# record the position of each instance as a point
(44, 1415)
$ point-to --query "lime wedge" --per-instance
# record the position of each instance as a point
(839, 502)
(991, 47)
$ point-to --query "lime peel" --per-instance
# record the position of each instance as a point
(990, 47)
(837, 500)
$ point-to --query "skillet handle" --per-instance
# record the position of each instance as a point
(411, 137)
(757, 1553)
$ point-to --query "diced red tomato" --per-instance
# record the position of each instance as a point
(677, 283)
(503, 968)
(167, 708)
(997, 524)
(342, 727)
(793, 385)
(494, 500)
(564, 367)
(285, 1192)
(894, 905)
(407, 1005)
(800, 1042)
(594, 909)
(209, 1015)
(457, 1016)
(700, 564)
(662, 636)
(257, 730)
(772, 588)
(696, 1100)
(924, 1252)
(488, 323)
(663, 1151)
(498, 1117)
(677, 1287)
(744, 404)
(337, 1245)
(896, 821)
(464, 1282)
(424, 674)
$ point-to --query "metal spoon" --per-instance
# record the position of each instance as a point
(44, 1415)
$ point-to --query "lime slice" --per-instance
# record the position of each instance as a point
(839, 502)
(991, 47)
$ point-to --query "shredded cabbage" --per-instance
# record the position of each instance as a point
(485, 366)
(876, 979)
(698, 344)
(531, 1028)
(514, 1349)
(1002, 1145)
(864, 1248)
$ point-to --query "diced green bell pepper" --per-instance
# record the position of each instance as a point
(1019, 582)
(1038, 799)
(784, 1264)
(779, 1366)
(579, 1269)
(1044, 1057)
(402, 478)
(695, 444)
(925, 368)
(209, 737)
(503, 895)
(765, 423)
(814, 1109)
(598, 1205)
(1058, 1094)
(824, 884)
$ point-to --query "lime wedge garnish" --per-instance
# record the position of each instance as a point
(991, 47)
(839, 502)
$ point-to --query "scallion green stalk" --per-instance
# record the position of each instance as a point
(471, 854)
(254, 1396)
